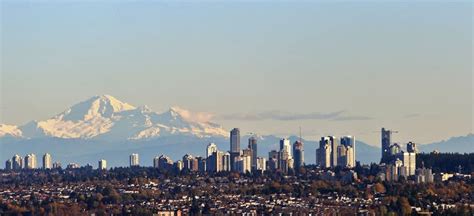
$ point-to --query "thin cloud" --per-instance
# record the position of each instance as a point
(352, 118)
(193, 116)
(286, 116)
(412, 115)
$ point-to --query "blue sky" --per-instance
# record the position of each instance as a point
(332, 68)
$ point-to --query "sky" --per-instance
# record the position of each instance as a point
(333, 68)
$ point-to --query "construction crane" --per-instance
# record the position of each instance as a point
(392, 131)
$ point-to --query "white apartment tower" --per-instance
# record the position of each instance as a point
(243, 164)
(285, 146)
(134, 160)
(102, 164)
(47, 161)
(30, 161)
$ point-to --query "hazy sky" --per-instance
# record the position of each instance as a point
(333, 68)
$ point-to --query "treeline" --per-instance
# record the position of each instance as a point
(446, 162)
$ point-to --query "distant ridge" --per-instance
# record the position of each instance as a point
(461, 144)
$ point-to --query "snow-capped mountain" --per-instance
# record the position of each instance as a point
(105, 117)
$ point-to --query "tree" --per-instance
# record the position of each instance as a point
(379, 188)
(404, 206)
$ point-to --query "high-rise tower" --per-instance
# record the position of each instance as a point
(102, 165)
(334, 144)
(323, 153)
(211, 148)
(386, 142)
(134, 160)
(17, 162)
(30, 161)
(47, 161)
(235, 140)
(349, 143)
(253, 147)
(234, 146)
(298, 153)
(285, 146)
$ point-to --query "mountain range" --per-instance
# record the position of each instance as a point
(105, 117)
(103, 127)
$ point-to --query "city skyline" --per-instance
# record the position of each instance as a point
(236, 107)
(273, 54)
(331, 153)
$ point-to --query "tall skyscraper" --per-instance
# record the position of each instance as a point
(134, 160)
(285, 146)
(8, 164)
(248, 153)
(283, 161)
(211, 148)
(235, 140)
(298, 153)
(323, 153)
(409, 161)
(195, 163)
(102, 164)
(350, 157)
(226, 162)
(349, 143)
(201, 164)
(234, 146)
(253, 146)
(386, 142)
(285, 157)
(17, 162)
(156, 162)
(215, 162)
(342, 156)
(47, 161)
(188, 162)
(179, 165)
(30, 161)
(334, 145)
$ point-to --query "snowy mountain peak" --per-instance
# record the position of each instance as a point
(117, 105)
(105, 117)
(97, 106)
